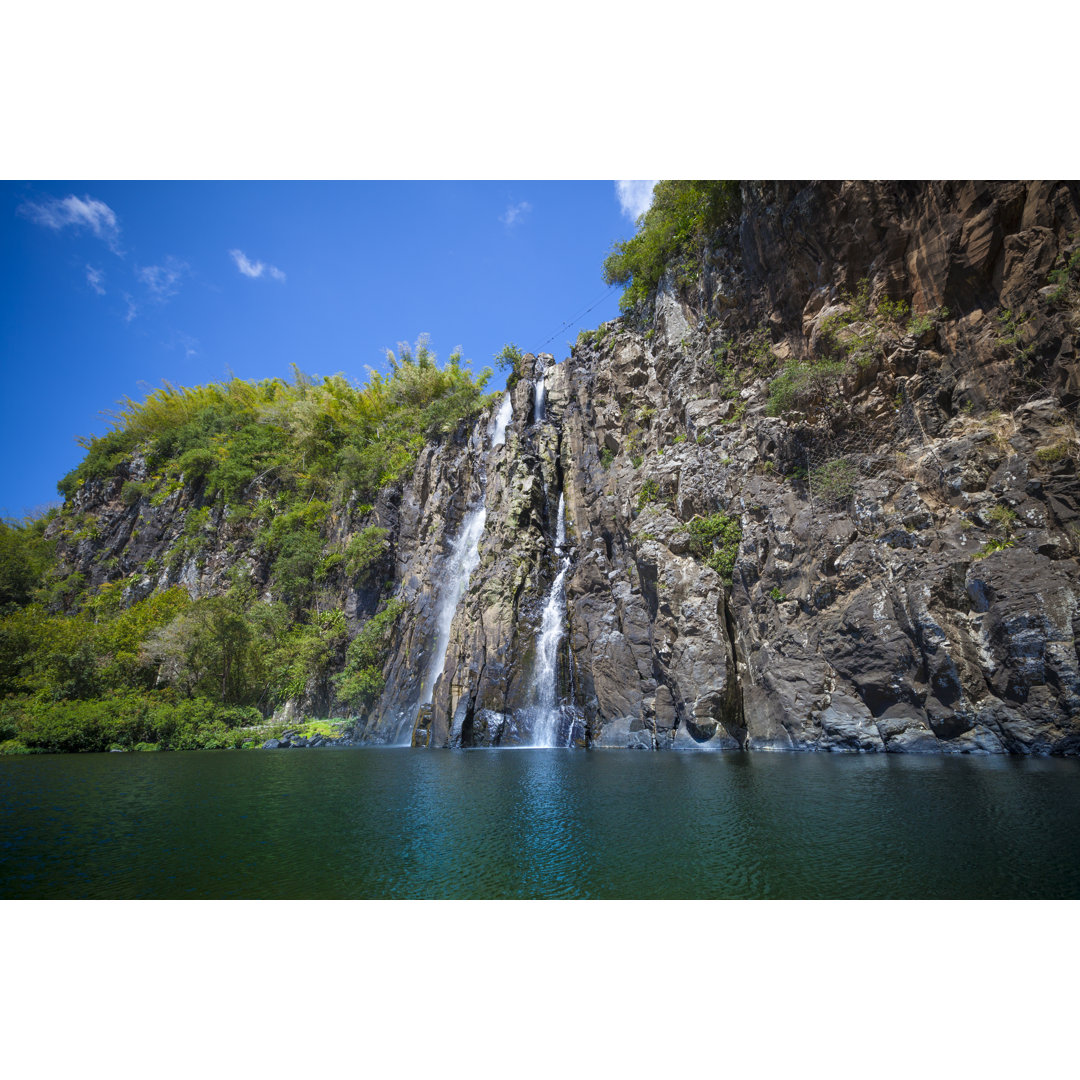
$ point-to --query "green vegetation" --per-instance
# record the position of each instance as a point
(325, 437)
(650, 492)
(991, 546)
(1010, 332)
(674, 230)
(130, 721)
(607, 456)
(92, 669)
(752, 349)
(119, 671)
(361, 682)
(511, 358)
(834, 479)
(595, 338)
(802, 383)
(777, 595)
(365, 552)
(848, 341)
(1048, 455)
(1002, 517)
(715, 540)
(25, 558)
(1066, 277)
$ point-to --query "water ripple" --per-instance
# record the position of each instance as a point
(544, 824)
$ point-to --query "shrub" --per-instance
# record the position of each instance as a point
(195, 464)
(801, 383)
(1049, 454)
(991, 546)
(716, 540)
(650, 492)
(834, 479)
(607, 456)
(132, 492)
(366, 550)
(683, 215)
(360, 684)
(25, 559)
(1003, 517)
(511, 357)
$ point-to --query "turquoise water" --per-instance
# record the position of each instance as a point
(536, 823)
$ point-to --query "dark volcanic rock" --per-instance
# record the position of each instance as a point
(906, 578)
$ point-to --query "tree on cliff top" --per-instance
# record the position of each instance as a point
(683, 215)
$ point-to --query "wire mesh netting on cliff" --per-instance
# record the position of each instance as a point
(864, 449)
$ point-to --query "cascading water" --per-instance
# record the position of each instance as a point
(463, 560)
(545, 686)
(464, 555)
(540, 408)
(502, 419)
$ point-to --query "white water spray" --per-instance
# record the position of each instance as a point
(552, 631)
(502, 418)
(540, 410)
(464, 556)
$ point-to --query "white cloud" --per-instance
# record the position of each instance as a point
(635, 196)
(85, 213)
(255, 269)
(163, 281)
(514, 213)
(245, 265)
(189, 344)
(94, 278)
(132, 310)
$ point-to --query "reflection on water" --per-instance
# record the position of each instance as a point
(543, 823)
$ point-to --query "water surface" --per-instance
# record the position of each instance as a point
(536, 823)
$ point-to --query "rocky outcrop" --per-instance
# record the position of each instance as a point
(906, 578)
(884, 561)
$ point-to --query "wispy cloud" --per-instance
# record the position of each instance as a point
(255, 269)
(95, 278)
(76, 213)
(189, 344)
(163, 281)
(514, 213)
(635, 196)
(132, 308)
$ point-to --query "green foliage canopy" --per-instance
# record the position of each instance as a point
(675, 229)
(325, 436)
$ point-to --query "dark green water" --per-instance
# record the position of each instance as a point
(540, 823)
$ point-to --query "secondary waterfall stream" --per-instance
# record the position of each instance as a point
(545, 685)
(500, 422)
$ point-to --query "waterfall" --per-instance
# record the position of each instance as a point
(502, 418)
(463, 559)
(545, 685)
(540, 409)
(464, 555)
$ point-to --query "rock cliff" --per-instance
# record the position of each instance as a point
(821, 494)
(906, 577)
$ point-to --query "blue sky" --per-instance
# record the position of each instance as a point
(110, 288)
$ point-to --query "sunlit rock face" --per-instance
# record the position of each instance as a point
(903, 575)
(858, 616)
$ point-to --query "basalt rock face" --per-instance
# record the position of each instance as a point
(907, 575)
(900, 569)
